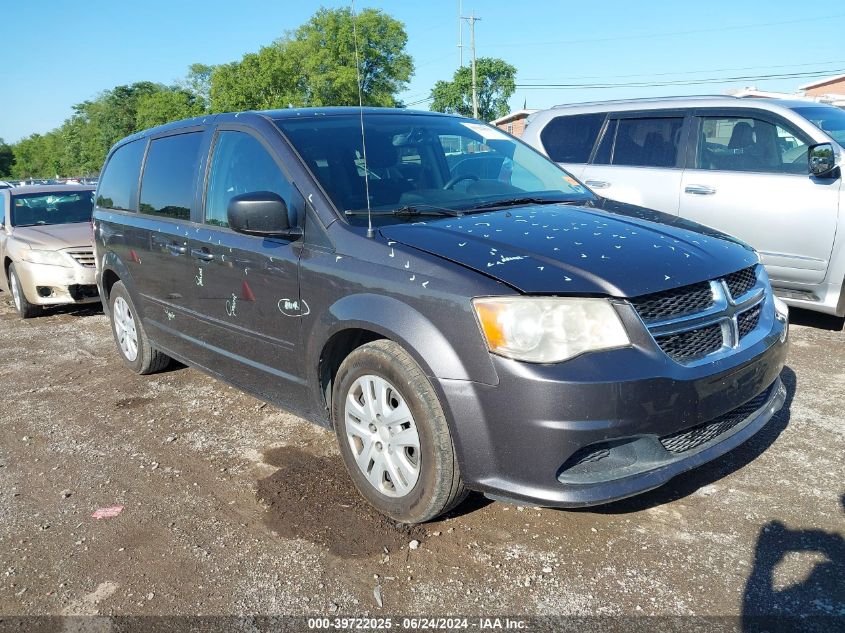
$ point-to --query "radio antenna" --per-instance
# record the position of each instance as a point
(370, 232)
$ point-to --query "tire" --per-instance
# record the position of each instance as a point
(129, 335)
(427, 477)
(25, 309)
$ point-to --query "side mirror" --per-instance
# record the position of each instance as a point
(822, 160)
(260, 213)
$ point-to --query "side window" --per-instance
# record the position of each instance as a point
(651, 142)
(167, 187)
(120, 177)
(240, 164)
(748, 144)
(570, 139)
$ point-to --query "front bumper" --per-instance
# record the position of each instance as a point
(523, 438)
(57, 285)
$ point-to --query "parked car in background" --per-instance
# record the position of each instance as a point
(738, 165)
(497, 329)
(5, 185)
(45, 246)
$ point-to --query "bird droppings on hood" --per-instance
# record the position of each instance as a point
(687, 258)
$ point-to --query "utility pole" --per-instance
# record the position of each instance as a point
(472, 20)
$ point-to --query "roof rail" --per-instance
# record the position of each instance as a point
(640, 99)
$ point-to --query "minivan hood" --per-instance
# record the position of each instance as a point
(618, 250)
(55, 236)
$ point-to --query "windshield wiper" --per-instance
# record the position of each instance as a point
(513, 202)
(408, 211)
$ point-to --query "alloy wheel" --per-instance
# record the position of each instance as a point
(124, 327)
(16, 291)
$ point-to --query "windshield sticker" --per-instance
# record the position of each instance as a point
(486, 132)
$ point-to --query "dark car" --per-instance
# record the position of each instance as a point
(461, 311)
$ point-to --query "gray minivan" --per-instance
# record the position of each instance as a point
(739, 165)
(461, 311)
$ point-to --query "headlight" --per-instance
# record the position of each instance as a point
(548, 330)
(51, 258)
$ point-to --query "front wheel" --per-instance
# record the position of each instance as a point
(25, 309)
(129, 334)
(393, 434)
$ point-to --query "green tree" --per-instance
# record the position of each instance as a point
(324, 49)
(198, 83)
(496, 80)
(315, 66)
(165, 106)
(7, 159)
(260, 81)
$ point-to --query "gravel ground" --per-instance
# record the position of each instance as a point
(232, 507)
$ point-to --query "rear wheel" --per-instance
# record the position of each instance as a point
(393, 434)
(25, 309)
(129, 334)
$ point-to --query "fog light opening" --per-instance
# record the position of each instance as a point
(44, 291)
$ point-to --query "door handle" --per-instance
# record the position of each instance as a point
(598, 184)
(201, 253)
(700, 190)
(177, 249)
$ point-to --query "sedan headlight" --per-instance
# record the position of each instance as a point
(51, 258)
(548, 330)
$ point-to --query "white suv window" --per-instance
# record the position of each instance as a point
(749, 144)
(641, 142)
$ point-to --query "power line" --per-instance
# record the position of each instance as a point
(681, 82)
(668, 33)
(686, 72)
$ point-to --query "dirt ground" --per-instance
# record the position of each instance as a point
(232, 507)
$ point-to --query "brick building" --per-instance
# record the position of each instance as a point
(825, 87)
(513, 123)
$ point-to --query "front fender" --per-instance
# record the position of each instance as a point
(400, 322)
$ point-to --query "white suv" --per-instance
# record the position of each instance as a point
(767, 171)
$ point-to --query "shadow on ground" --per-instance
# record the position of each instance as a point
(817, 603)
(797, 316)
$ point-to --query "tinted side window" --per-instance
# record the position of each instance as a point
(570, 139)
(120, 177)
(240, 164)
(647, 142)
(167, 187)
(747, 144)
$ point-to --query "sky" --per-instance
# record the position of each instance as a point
(56, 53)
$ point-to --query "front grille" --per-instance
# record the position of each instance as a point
(690, 439)
(692, 345)
(676, 318)
(741, 281)
(748, 320)
(676, 302)
(83, 257)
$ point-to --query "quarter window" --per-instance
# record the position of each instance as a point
(120, 178)
(240, 164)
(647, 142)
(167, 188)
(748, 144)
(570, 139)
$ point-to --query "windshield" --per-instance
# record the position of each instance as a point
(828, 119)
(56, 207)
(424, 163)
